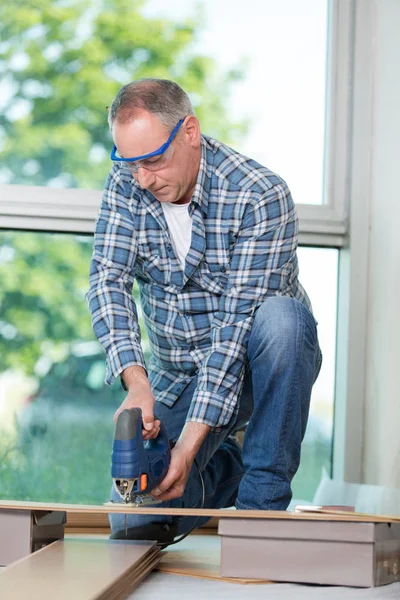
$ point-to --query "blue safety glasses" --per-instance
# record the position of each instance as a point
(134, 163)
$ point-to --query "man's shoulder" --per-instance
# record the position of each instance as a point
(121, 184)
(239, 171)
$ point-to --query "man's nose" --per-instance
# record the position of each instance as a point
(145, 178)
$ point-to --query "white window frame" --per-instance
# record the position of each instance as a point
(352, 330)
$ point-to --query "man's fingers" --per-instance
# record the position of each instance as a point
(173, 484)
(170, 494)
(153, 433)
(168, 481)
(148, 421)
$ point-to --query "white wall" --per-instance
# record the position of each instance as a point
(381, 448)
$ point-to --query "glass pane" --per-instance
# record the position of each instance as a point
(278, 50)
(255, 72)
(318, 274)
(56, 415)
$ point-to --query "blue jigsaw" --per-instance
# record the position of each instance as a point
(138, 466)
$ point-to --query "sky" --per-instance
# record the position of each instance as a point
(283, 92)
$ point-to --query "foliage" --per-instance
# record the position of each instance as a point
(61, 64)
(69, 461)
(44, 278)
(65, 462)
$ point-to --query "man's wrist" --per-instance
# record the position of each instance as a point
(192, 437)
(132, 375)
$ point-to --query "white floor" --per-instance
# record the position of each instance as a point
(167, 587)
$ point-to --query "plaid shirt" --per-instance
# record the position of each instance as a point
(243, 250)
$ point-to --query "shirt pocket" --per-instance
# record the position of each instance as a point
(152, 264)
(214, 271)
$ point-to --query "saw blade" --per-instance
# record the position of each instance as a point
(136, 502)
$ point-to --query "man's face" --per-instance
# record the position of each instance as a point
(175, 179)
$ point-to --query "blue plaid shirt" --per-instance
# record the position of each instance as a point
(243, 250)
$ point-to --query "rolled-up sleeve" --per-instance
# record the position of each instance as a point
(262, 264)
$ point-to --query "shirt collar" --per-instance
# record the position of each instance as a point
(203, 183)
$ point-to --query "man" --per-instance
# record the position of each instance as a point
(211, 237)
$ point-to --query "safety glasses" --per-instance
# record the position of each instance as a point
(152, 161)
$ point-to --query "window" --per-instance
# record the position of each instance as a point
(56, 415)
(318, 274)
(58, 77)
(271, 96)
(280, 61)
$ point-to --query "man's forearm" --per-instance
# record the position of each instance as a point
(132, 375)
(193, 433)
(192, 437)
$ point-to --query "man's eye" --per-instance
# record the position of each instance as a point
(153, 161)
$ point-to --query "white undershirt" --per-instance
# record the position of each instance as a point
(180, 227)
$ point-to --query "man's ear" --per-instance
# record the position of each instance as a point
(192, 130)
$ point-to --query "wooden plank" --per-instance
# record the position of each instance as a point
(98, 523)
(79, 520)
(198, 556)
(82, 523)
(82, 569)
(195, 556)
(219, 513)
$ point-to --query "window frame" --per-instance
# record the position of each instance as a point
(326, 225)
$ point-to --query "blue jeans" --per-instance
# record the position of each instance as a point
(283, 363)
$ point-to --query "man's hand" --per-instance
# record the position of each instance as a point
(182, 457)
(140, 396)
(173, 484)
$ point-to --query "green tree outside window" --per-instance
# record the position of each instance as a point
(61, 64)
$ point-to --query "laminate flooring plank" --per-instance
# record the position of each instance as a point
(98, 523)
(195, 556)
(80, 569)
(131, 579)
(325, 515)
(198, 556)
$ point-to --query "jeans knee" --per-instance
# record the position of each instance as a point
(278, 324)
(276, 318)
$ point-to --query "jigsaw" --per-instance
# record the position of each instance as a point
(138, 466)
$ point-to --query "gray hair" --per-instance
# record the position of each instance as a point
(161, 97)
